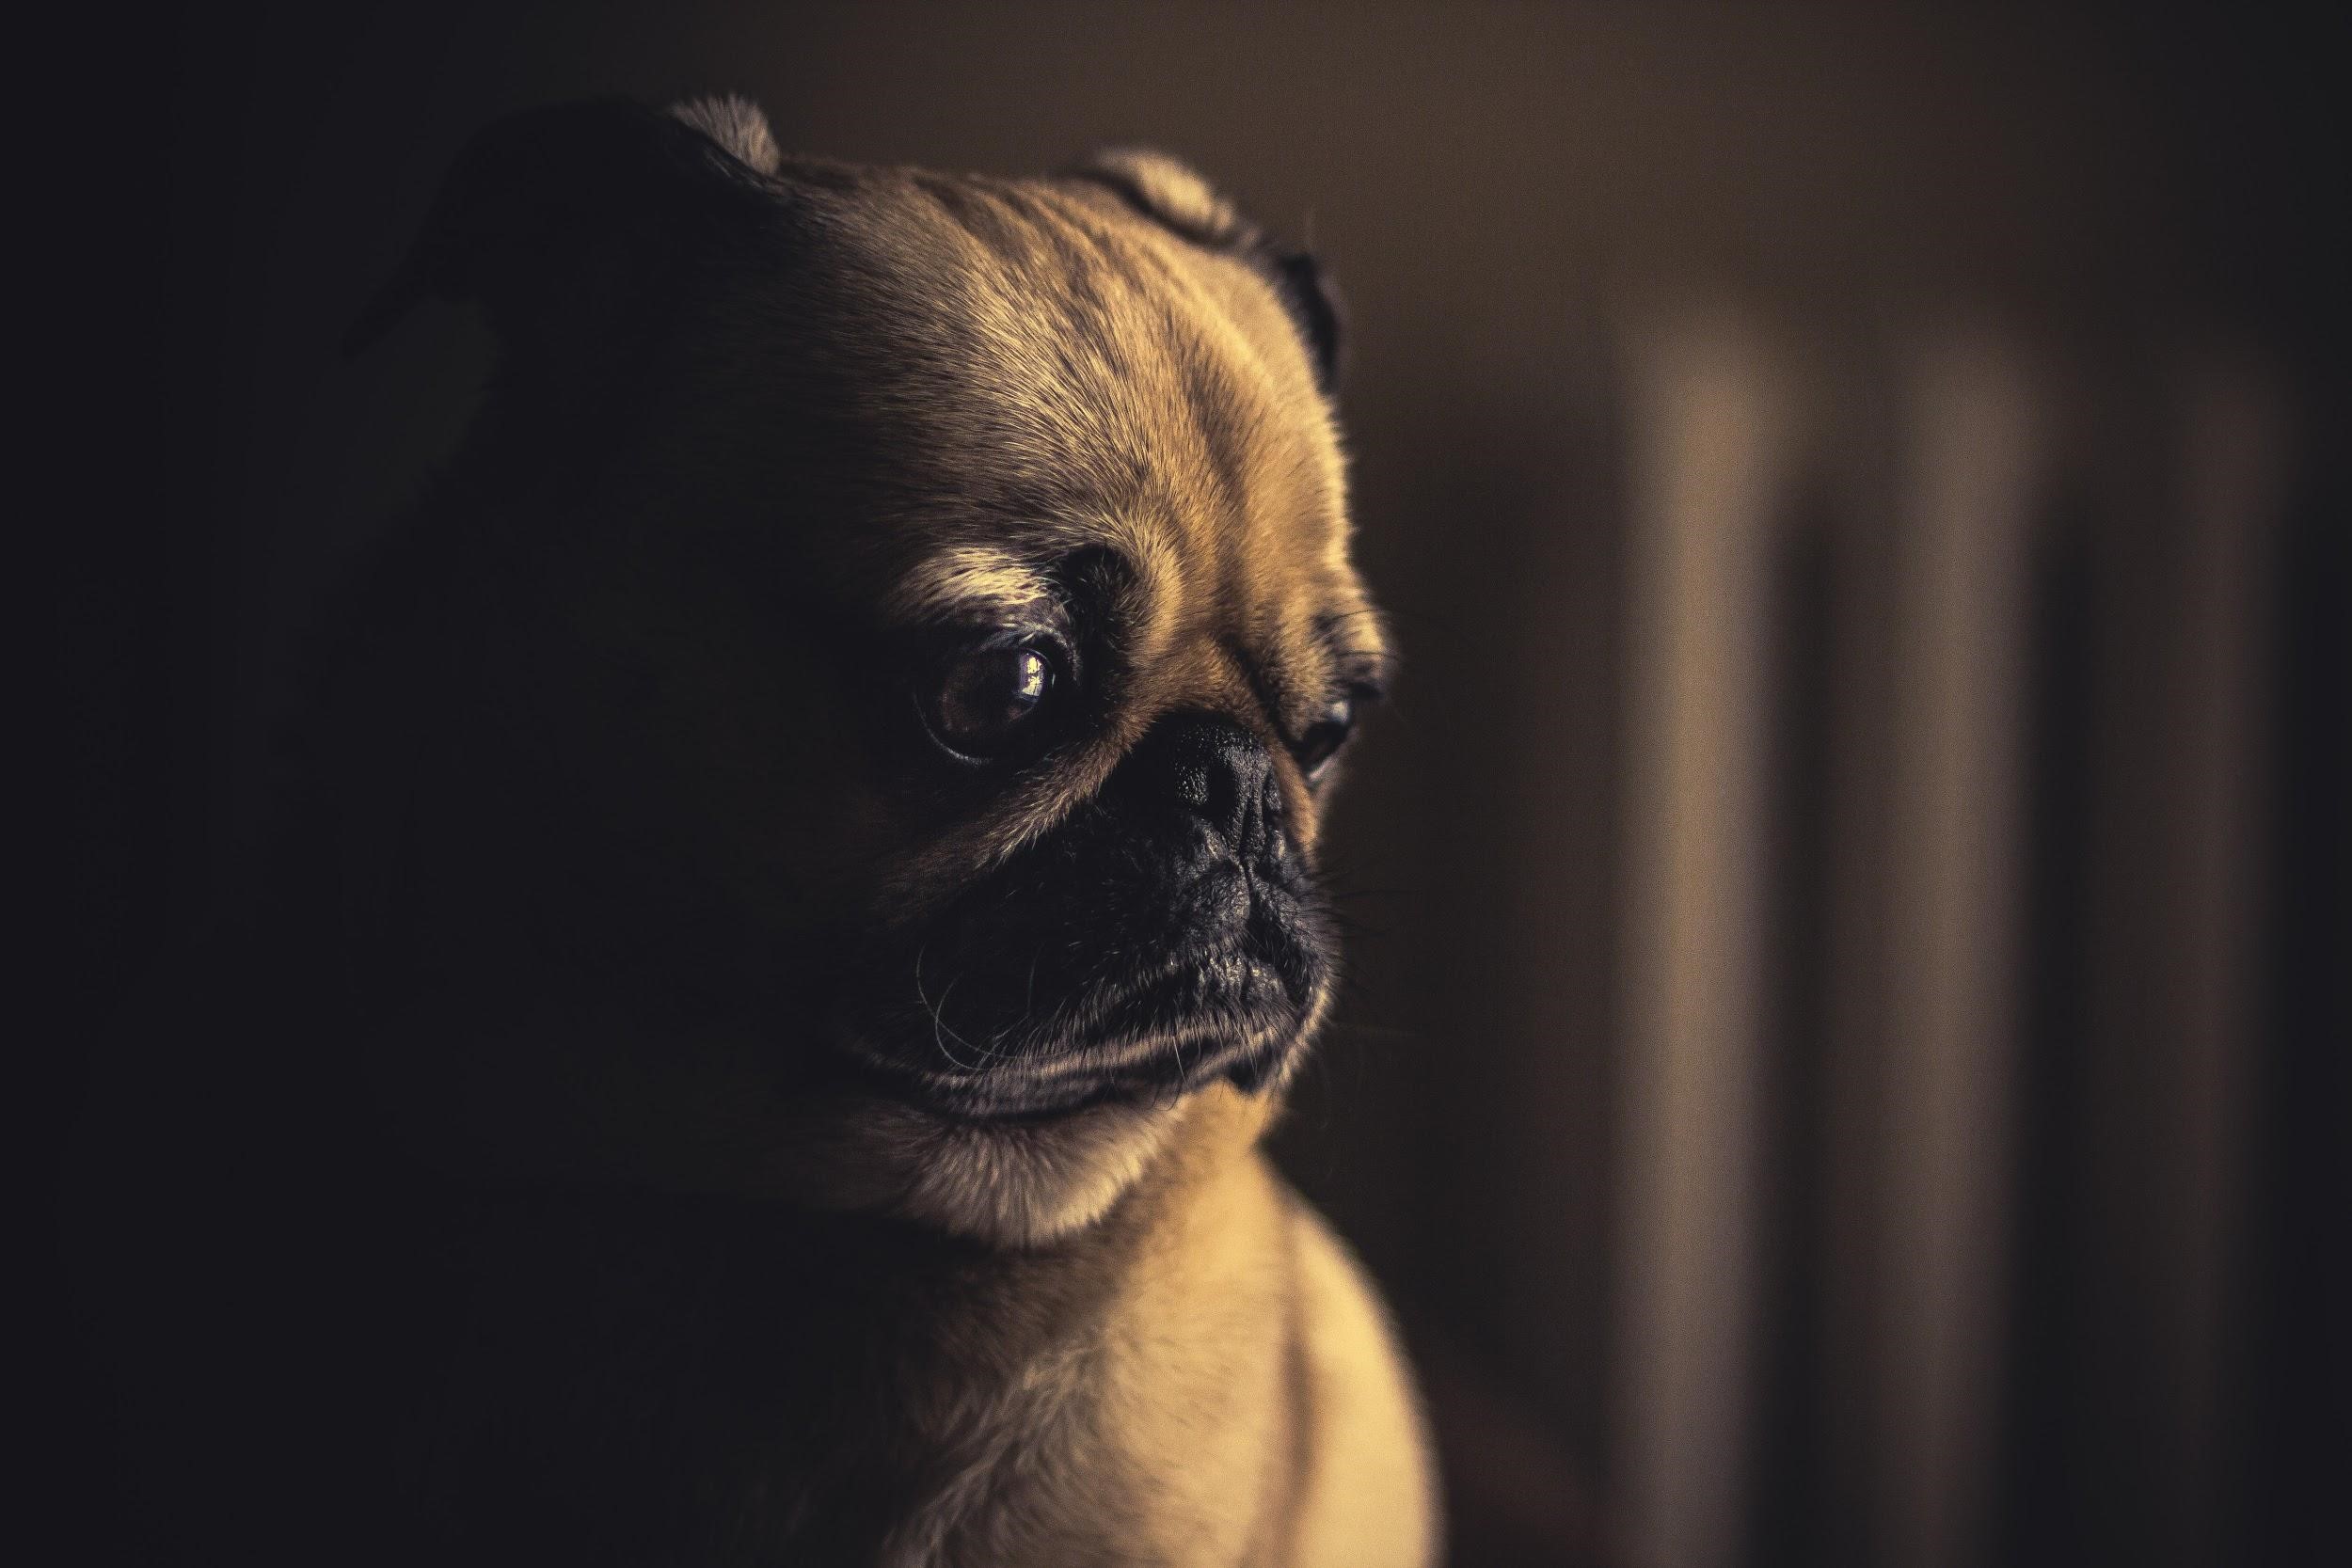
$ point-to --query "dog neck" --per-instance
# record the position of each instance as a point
(864, 1383)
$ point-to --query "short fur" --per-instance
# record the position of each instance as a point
(668, 933)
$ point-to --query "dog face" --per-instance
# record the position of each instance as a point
(924, 627)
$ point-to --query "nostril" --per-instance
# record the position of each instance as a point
(1224, 797)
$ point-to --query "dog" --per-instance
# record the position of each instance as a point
(814, 826)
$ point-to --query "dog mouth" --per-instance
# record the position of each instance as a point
(1018, 1004)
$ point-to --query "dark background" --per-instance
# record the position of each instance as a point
(1521, 203)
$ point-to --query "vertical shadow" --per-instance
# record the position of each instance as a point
(2040, 1499)
(1791, 1512)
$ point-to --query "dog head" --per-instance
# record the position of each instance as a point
(899, 625)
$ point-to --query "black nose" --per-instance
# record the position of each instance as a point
(1213, 771)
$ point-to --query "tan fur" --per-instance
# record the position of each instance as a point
(1241, 1394)
(1157, 1355)
(735, 124)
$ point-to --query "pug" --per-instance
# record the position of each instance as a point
(815, 827)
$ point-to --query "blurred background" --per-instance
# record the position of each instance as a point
(1845, 1060)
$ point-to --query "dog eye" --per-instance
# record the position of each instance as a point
(985, 695)
(1321, 739)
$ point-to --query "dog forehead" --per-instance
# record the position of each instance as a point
(1049, 372)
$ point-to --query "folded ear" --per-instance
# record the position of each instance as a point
(735, 124)
(553, 219)
(1175, 195)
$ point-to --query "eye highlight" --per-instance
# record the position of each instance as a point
(983, 699)
(1321, 740)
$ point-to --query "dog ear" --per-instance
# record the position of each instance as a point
(735, 124)
(554, 218)
(1176, 196)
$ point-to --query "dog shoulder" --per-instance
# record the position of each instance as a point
(1368, 1499)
